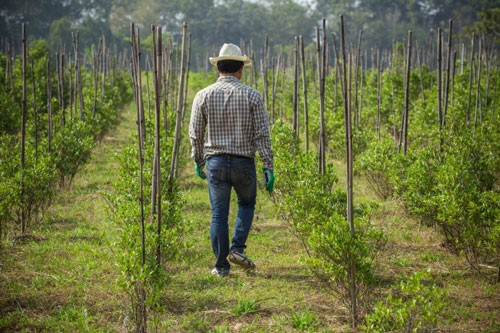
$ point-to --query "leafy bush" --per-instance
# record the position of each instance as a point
(146, 280)
(455, 188)
(468, 204)
(25, 191)
(377, 164)
(316, 213)
(413, 307)
(72, 148)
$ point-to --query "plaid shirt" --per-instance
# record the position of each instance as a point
(236, 121)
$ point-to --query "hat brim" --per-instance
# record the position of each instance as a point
(246, 61)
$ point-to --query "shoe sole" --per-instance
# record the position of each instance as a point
(241, 260)
(221, 274)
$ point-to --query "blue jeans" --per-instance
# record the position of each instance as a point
(223, 173)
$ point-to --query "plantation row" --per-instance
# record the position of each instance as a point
(423, 134)
(53, 113)
(426, 138)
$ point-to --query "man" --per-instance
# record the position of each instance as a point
(228, 125)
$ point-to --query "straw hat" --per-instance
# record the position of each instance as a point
(230, 52)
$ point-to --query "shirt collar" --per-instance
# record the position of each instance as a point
(227, 78)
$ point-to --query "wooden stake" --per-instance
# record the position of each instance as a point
(24, 44)
(304, 91)
(349, 167)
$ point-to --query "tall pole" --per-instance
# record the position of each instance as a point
(407, 93)
(349, 171)
(24, 45)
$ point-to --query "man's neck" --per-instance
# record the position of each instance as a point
(228, 75)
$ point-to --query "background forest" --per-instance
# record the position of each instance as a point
(213, 22)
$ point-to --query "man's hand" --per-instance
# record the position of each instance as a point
(268, 179)
(200, 173)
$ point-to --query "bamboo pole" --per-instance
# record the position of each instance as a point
(148, 93)
(138, 89)
(24, 44)
(35, 113)
(165, 91)
(283, 72)
(471, 67)
(349, 171)
(180, 104)
(439, 78)
(156, 183)
(448, 69)
(264, 73)
(304, 91)
(95, 78)
(379, 93)
(295, 86)
(63, 103)
(356, 78)
(141, 318)
(71, 89)
(407, 94)
(188, 65)
(49, 105)
(488, 60)
(338, 71)
(321, 79)
(453, 72)
(478, 110)
(78, 74)
(275, 72)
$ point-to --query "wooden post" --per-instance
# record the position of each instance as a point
(35, 115)
(356, 77)
(407, 94)
(379, 93)
(295, 86)
(49, 105)
(478, 110)
(24, 44)
(321, 80)
(188, 64)
(349, 171)
(304, 91)
(439, 78)
(156, 183)
(471, 67)
(265, 62)
(448, 71)
(180, 106)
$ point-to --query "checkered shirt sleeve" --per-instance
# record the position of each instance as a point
(228, 117)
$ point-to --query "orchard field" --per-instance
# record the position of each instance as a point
(385, 215)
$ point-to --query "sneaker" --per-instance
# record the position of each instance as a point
(220, 272)
(241, 259)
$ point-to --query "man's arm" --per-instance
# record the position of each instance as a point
(197, 125)
(261, 137)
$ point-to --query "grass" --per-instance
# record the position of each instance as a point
(64, 279)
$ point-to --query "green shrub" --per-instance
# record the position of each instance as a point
(377, 164)
(136, 278)
(414, 306)
(72, 148)
(316, 212)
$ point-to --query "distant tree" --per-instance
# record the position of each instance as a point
(489, 24)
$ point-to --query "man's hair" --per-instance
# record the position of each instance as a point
(229, 66)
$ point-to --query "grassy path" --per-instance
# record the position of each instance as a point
(62, 278)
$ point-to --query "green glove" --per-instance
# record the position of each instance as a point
(200, 173)
(268, 179)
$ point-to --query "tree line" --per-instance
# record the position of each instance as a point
(214, 22)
